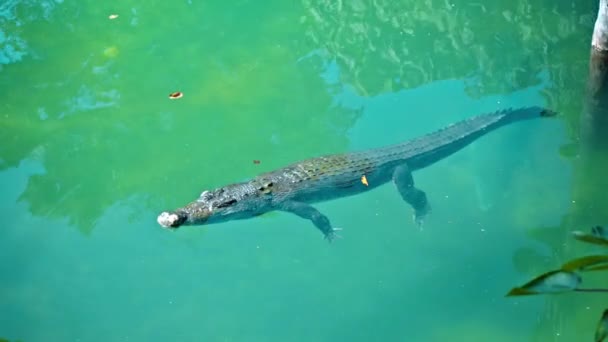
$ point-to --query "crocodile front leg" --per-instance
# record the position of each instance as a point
(309, 212)
(402, 177)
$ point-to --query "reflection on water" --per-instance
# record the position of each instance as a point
(90, 141)
(387, 46)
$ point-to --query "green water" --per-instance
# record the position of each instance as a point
(92, 150)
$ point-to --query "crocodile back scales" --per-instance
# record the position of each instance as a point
(341, 174)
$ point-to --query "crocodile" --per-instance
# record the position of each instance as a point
(295, 187)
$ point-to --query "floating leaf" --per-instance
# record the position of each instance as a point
(113, 16)
(595, 237)
(587, 263)
(176, 95)
(557, 281)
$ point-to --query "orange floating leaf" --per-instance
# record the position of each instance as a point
(364, 180)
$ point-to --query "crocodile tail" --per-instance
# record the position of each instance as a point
(482, 124)
(428, 149)
(548, 113)
(525, 113)
(476, 126)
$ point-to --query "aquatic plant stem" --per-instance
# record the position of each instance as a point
(591, 290)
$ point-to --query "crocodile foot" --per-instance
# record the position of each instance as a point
(420, 215)
(330, 235)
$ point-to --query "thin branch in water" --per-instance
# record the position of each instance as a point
(591, 290)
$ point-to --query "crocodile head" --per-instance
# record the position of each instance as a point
(232, 202)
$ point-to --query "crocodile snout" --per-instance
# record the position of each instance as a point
(170, 220)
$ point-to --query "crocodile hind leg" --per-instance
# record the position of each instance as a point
(402, 177)
(309, 212)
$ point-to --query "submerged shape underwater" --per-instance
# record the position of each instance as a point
(93, 149)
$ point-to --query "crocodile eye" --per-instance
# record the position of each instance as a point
(266, 188)
(206, 195)
(226, 203)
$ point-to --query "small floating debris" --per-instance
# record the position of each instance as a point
(256, 162)
(113, 16)
(176, 95)
(364, 180)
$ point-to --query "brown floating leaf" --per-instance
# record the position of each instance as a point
(255, 161)
(176, 95)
